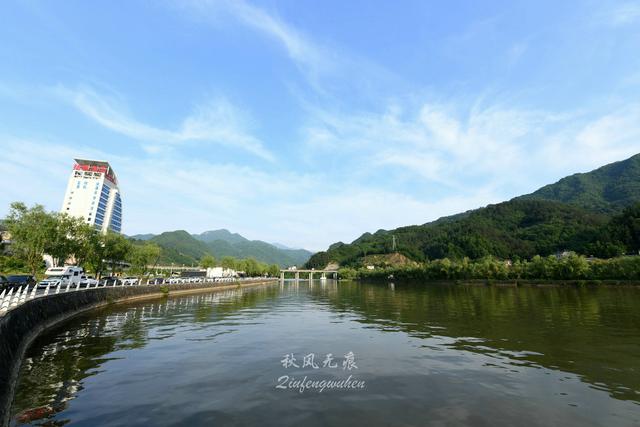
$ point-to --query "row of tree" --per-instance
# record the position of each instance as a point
(250, 266)
(36, 233)
(571, 267)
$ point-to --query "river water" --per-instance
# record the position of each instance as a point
(375, 354)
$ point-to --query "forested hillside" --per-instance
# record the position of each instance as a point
(608, 189)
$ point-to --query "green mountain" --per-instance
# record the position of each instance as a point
(224, 243)
(608, 189)
(222, 234)
(180, 247)
(576, 213)
(261, 251)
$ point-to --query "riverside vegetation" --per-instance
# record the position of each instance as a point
(571, 267)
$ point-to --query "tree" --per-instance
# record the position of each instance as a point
(250, 267)
(31, 232)
(626, 228)
(88, 251)
(117, 249)
(142, 256)
(208, 261)
(63, 242)
(274, 270)
(228, 262)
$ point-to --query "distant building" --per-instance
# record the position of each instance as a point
(93, 195)
(563, 254)
(213, 272)
(194, 273)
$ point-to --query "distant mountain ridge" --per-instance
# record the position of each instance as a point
(575, 213)
(147, 236)
(608, 189)
(181, 247)
(281, 246)
(222, 234)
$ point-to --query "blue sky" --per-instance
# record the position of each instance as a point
(310, 122)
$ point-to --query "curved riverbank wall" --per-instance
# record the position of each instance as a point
(21, 325)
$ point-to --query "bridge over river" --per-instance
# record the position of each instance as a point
(309, 273)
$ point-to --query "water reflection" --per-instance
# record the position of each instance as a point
(58, 362)
(592, 332)
(441, 355)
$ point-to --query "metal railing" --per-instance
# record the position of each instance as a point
(10, 299)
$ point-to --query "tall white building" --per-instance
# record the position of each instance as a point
(93, 194)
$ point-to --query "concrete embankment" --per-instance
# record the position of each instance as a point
(20, 326)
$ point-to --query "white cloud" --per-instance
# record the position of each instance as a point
(605, 139)
(433, 142)
(508, 149)
(217, 122)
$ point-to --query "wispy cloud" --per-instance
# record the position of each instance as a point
(217, 122)
(625, 14)
(516, 52)
(299, 48)
(602, 139)
(500, 147)
(433, 143)
(327, 68)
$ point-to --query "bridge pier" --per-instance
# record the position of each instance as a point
(297, 276)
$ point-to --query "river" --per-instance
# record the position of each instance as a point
(342, 355)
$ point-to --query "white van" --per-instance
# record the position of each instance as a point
(64, 275)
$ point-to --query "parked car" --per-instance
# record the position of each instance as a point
(3, 283)
(88, 282)
(129, 281)
(69, 275)
(156, 281)
(17, 280)
(110, 281)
